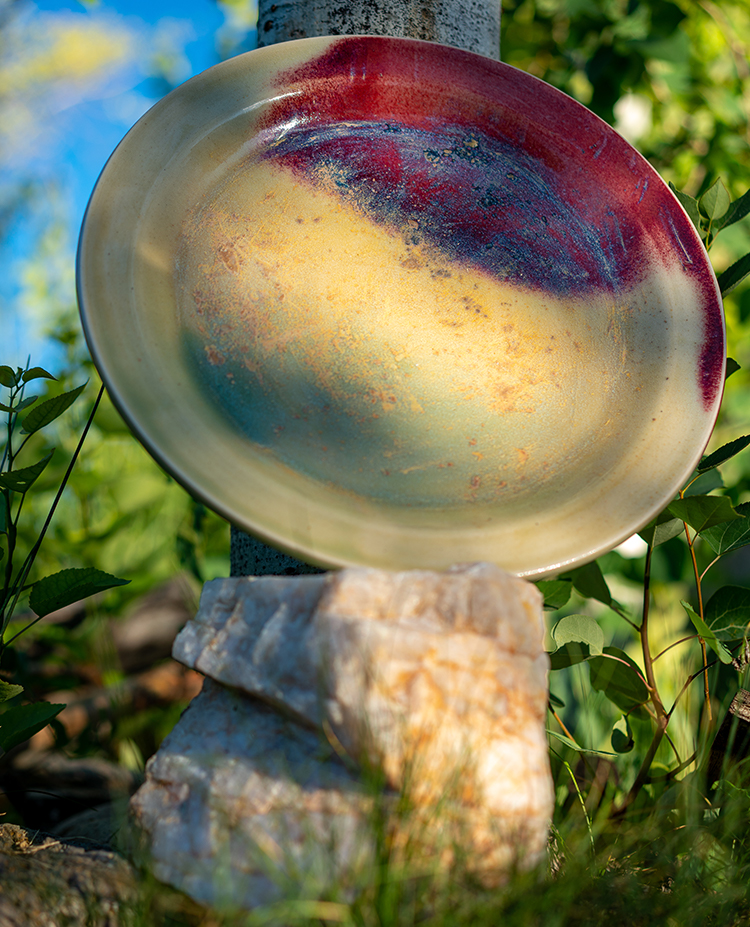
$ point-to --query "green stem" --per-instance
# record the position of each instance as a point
(682, 640)
(704, 654)
(642, 778)
(31, 556)
(583, 807)
(662, 719)
(648, 663)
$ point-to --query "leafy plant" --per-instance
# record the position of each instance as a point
(711, 527)
(712, 212)
(17, 478)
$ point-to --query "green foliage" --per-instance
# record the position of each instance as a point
(46, 593)
(707, 634)
(68, 586)
(727, 613)
(641, 714)
(21, 722)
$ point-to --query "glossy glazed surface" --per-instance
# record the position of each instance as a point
(387, 302)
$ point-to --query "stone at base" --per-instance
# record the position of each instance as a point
(242, 807)
(438, 680)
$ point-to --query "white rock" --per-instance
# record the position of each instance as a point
(242, 806)
(437, 679)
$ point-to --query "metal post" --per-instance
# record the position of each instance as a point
(473, 25)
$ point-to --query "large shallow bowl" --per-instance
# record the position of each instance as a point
(384, 302)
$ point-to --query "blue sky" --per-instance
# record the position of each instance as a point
(77, 129)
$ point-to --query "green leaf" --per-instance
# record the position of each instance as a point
(727, 613)
(708, 635)
(661, 529)
(555, 701)
(737, 210)
(22, 480)
(732, 367)
(702, 512)
(25, 403)
(568, 655)
(8, 690)
(579, 629)
(730, 535)
(724, 453)
(9, 377)
(574, 746)
(50, 410)
(590, 582)
(734, 274)
(19, 723)
(556, 592)
(68, 586)
(690, 205)
(618, 679)
(622, 736)
(715, 202)
(578, 637)
(37, 373)
(703, 484)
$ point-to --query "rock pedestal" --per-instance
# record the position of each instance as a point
(335, 702)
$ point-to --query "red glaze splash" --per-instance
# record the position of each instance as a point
(423, 86)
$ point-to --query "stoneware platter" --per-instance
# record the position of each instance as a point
(385, 302)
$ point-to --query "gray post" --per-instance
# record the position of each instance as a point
(470, 24)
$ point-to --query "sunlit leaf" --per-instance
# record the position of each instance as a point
(715, 202)
(48, 411)
(707, 634)
(68, 586)
(21, 722)
(689, 204)
(734, 274)
(578, 637)
(702, 512)
(556, 592)
(37, 373)
(737, 210)
(22, 480)
(661, 529)
(730, 535)
(616, 675)
(8, 690)
(727, 612)
(579, 628)
(622, 736)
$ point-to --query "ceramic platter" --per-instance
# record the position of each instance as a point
(384, 302)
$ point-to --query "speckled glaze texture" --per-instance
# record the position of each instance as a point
(403, 306)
